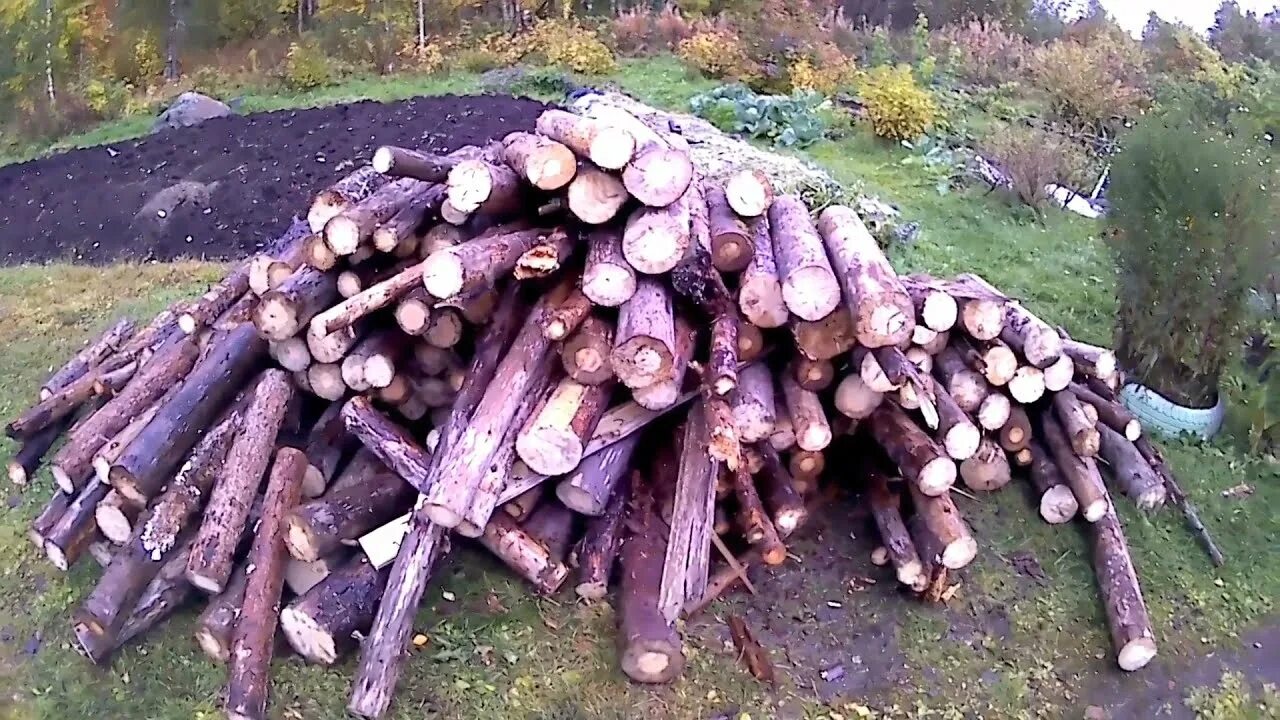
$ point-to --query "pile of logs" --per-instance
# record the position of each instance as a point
(570, 348)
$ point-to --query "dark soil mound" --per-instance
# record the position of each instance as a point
(224, 188)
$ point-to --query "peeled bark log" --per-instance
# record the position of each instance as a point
(321, 526)
(147, 465)
(754, 405)
(1127, 619)
(284, 311)
(918, 458)
(1110, 413)
(957, 548)
(70, 536)
(731, 242)
(1016, 433)
(965, 386)
(253, 642)
(322, 623)
(749, 192)
(883, 313)
(808, 418)
(89, 356)
(605, 145)
(655, 239)
(1131, 472)
(476, 186)
(596, 552)
(886, 508)
(213, 554)
(608, 279)
(595, 196)
(545, 163)
(644, 346)
(524, 554)
(649, 648)
(343, 194)
(956, 432)
(988, 469)
(588, 488)
(759, 287)
(1080, 429)
(564, 319)
(686, 566)
(1080, 474)
(810, 288)
(369, 300)
(349, 230)
(1057, 504)
(477, 263)
(827, 338)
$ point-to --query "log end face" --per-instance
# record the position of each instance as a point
(881, 324)
(961, 441)
(910, 572)
(308, 637)
(57, 556)
(960, 553)
(612, 148)
(812, 293)
(652, 661)
(1133, 430)
(658, 176)
(114, 523)
(549, 450)
(299, 540)
(443, 516)
(1058, 505)
(342, 235)
(937, 476)
(60, 477)
(17, 473)
(205, 583)
(1094, 511)
(383, 159)
(1136, 654)
(442, 274)
(609, 285)
(939, 312)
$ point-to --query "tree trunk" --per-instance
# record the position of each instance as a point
(61, 404)
(117, 445)
(595, 553)
(756, 524)
(649, 647)
(759, 287)
(644, 346)
(1079, 427)
(391, 443)
(1057, 504)
(1112, 414)
(1127, 619)
(327, 444)
(1080, 473)
(477, 263)
(595, 196)
(564, 319)
(1131, 472)
(321, 526)
(253, 642)
(827, 338)
(284, 311)
(918, 458)
(603, 144)
(656, 239)
(523, 505)
(754, 406)
(545, 163)
(405, 163)
(731, 243)
(956, 546)
(809, 285)
(749, 192)
(886, 508)
(213, 554)
(685, 569)
(808, 418)
(321, 624)
(524, 554)
(956, 432)
(90, 356)
(48, 518)
(608, 280)
(585, 354)
(856, 400)
(883, 313)
(1059, 375)
(480, 187)
(353, 228)
(288, 251)
(988, 469)
(70, 536)
(589, 486)
(347, 313)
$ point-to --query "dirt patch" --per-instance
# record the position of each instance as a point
(222, 189)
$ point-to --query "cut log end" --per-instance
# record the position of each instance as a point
(308, 637)
(813, 293)
(1136, 654)
(959, 553)
(652, 661)
(57, 556)
(1095, 510)
(592, 591)
(1058, 505)
(961, 441)
(114, 523)
(939, 311)
(938, 476)
(206, 584)
(443, 275)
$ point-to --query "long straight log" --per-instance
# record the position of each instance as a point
(24, 463)
(1131, 472)
(216, 624)
(48, 517)
(813, 432)
(524, 554)
(919, 459)
(68, 399)
(213, 554)
(321, 624)
(608, 280)
(649, 647)
(1080, 473)
(1080, 429)
(1016, 433)
(70, 536)
(886, 509)
(477, 263)
(319, 527)
(89, 356)
(666, 391)
(956, 432)
(1127, 619)
(810, 288)
(400, 162)
(588, 488)
(555, 436)
(935, 308)
(962, 383)
(567, 317)
(957, 547)
(1110, 413)
(605, 145)
(1057, 504)
(202, 311)
(367, 301)
(354, 226)
(253, 642)
(754, 520)
(660, 170)
(477, 186)
(883, 313)
(760, 288)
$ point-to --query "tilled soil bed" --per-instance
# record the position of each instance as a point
(222, 189)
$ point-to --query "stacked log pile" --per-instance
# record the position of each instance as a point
(573, 349)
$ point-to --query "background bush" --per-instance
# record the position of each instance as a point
(1032, 158)
(897, 107)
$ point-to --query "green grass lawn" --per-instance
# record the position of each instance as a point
(494, 651)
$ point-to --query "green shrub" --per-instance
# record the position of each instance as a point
(1032, 158)
(787, 120)
(306, 67)
(1092, 80)
(1191, 215)
(897, 107)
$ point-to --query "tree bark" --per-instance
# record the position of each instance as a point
(749, 192)
(754, 405)
(759, 288)
(609, 280)
(1080, 473)
(147, 464)
(321, 526)
(886, 509)
(213, 554)
(545, 163)
(756, 524)
(605, 145)
(596, 552)
(827, 338)
(649, 648)
(808, 418)
(350, 311)
(117, 445)
(1057, 504)
(477, 263)
(343, 194)
(810, 289)
(1079, 427)
(253, 642)
(1127, 619)
(202, 311)
(349, 230)
(656, 239)
(1110, 413)
(523, 505)
(284, 311)
(547, 256)
(70, 536)
(90, 356)
(564, 319)
(731, 242)
(883, 313)
(918, 458)
(321, 624)
(327, 444)
(956, 546)
(686, 566)
(391, 443)
(1130, 470)
(404, 163)
(783, 437)
(644, 346)
(664, 393)
(956, 432)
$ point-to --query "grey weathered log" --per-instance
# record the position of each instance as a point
(883, 314)
(1127, 619)
(322, 624)
(810, 287)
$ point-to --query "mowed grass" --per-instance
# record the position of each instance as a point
(1007, 643)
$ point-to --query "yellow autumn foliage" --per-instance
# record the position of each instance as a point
(897, 107)
(718, 53)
